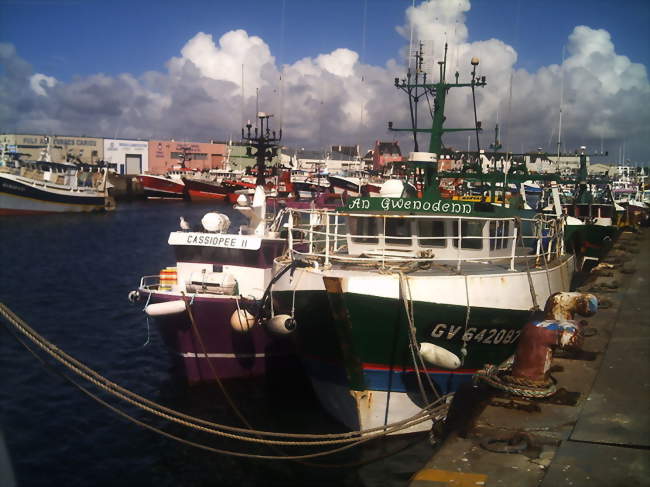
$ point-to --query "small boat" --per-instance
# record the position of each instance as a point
(354, 183)
(208, 305)
(43, 186)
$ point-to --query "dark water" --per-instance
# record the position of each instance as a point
(68, 277)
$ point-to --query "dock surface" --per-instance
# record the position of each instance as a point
(601, 440)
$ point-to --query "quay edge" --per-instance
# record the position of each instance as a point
(604, 438)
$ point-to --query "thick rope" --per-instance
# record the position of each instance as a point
(437, 407)
(195, 329)
(531, 286)
(418, 361)
(499, 378)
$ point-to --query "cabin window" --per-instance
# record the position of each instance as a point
(471, 231)
(364, 229)
(399, 229)
(499, 231)
(431, 228)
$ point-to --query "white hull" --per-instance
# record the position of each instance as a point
(19, 195)
(497, 290)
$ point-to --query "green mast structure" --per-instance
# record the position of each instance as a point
(416, 86)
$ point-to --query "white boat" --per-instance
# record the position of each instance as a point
(32, 187)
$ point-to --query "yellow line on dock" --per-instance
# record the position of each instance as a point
(448, 478)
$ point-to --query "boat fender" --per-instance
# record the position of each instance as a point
(439, 356)
(165, 308)
(134, 296)
(281, 324)
(242, 321)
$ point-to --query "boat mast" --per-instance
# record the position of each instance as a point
(559, 130)
(438, 91)
(264, 141)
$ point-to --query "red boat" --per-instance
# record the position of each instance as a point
(207, 190)
(169, 185)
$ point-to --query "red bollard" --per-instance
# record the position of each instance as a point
(558, 329)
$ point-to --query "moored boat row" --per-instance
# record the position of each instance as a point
(390, 301)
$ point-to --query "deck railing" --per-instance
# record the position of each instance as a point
(324, 240)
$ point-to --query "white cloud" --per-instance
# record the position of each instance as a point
(38, 82)
(332, 98)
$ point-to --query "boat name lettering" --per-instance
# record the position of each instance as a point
(487, 336)
(218, 241)
(215, 240)
(359, 204)
(386, 204)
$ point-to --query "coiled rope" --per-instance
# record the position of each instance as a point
(500, 378)
(434, 410)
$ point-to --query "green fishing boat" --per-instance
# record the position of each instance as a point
(397, 300)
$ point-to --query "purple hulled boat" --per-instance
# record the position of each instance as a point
(210, 308)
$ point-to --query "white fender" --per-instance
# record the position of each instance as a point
(242, 321)
(439, 356)
(166, 308)
(281, 324)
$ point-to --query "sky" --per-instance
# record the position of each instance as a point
(197, 70)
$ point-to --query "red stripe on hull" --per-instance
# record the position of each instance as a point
(25, 212)
(411, 369)
(205, 196)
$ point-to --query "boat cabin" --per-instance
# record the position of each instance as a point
(444, 237)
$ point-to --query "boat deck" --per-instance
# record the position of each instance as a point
(602, 440)
(442, 268)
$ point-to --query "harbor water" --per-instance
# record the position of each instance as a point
(68, 277)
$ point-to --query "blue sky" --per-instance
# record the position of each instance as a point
(59, 47)
(67, 38)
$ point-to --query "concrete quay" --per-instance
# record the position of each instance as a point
(603, 439)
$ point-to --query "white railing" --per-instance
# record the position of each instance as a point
(150, 283)
(326, 238)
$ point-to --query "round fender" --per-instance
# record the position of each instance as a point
(242, 321)
(281, 324)
(439, 356)
(166, 308)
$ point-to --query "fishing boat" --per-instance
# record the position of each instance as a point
(354, 183)
(207, 306)
(44, 186)
(219, 190)
(595, 217)
(166, 186)
(398, 299)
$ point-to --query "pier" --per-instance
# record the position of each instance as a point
(596, 430)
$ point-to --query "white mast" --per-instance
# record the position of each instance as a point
(559, 132)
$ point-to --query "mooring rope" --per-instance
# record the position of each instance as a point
(195, 329)
(436, 408)
(531, 286)
(418, 361)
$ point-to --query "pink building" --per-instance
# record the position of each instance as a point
(385, 153)
(167, 154)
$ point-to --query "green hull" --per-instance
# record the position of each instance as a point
(368, 336)
(590, 240)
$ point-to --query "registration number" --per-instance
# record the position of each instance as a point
(487, 336)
